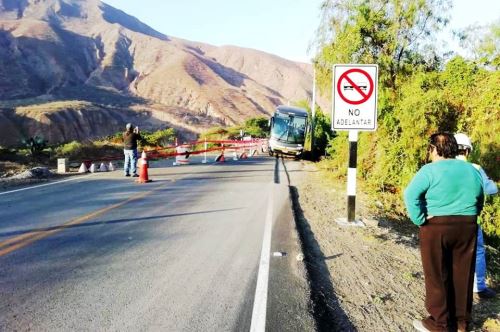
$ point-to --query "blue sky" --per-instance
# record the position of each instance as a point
(281, 27)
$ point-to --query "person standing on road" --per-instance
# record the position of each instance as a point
(130, 138)
(444, 198)
(490, 188)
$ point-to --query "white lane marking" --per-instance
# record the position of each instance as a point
(260, 300)
(46, 184)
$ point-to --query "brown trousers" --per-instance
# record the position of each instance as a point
(448, 249)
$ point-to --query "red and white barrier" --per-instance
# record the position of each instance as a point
(236, 148)
(220, 158)
(182, 155)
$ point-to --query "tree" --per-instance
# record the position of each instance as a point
(35, 145)
(257, 127)
(483, 42)
(391, 33)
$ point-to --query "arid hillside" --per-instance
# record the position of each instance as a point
(85, 52)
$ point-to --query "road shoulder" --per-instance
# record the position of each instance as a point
(289, 306)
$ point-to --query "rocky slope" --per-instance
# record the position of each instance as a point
(63, 50)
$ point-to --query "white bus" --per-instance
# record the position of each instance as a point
(288, 131)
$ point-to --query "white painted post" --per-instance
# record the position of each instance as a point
(351, 183)
(204, 161)
(351, 175)
(62, 165)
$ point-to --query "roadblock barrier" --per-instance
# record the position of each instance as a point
(143, 173)
(240, 149)
(182, 157)
(83, 169)
(220, 158)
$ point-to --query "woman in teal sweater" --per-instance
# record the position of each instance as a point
(444, 198)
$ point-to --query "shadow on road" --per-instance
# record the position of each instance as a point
(106, 222)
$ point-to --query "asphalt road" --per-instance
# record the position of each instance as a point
(182, 253)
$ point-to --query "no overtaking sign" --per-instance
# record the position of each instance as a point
(354, 97)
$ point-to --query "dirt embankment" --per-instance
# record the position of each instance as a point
(364, 279)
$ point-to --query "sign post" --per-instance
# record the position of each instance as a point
(354, 109)
(313, 110)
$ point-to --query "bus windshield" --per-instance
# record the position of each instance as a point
(289, 128)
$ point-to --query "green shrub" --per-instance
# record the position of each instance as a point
(158, 138)
(490, 215)
(257, 127)
(69, 149)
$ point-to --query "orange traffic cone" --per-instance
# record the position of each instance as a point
(143, 176)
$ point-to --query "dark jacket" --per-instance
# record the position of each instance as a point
(130, 140)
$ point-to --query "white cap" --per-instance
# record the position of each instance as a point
(463, 141)
(128, 126)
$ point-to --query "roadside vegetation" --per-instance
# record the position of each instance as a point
(112, 146)
(257, 127)
(35, 151)
(420, 92)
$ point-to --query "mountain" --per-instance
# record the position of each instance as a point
(64, 61)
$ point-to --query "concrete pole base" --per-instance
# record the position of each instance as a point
(344, 222)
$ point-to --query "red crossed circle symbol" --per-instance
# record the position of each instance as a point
(365, 96)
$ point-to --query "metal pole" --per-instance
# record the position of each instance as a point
(205, 154)
(313, 107)
(351, 175)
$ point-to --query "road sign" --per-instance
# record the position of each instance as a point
(354, 97)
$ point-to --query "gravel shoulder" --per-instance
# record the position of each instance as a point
(364, 279)
(32, 176)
